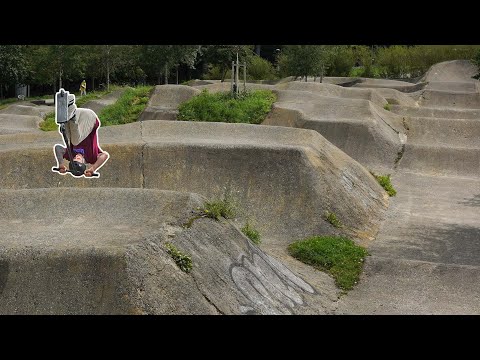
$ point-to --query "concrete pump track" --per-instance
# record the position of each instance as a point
(83, 246)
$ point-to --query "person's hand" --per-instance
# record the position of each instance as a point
(89, 172)
(62, 169)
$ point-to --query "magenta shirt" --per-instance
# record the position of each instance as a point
(89, 146)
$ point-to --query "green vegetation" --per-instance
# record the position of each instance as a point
(387, 107)
(251, 233)
(339, 256)
(259, 69)
(49, 124)
(332, 219)
(476, 61)
(127, 108)
(222, 208)
(384, 181)
(251, 107)
(306, 60)
(184, 262)
(5, 102)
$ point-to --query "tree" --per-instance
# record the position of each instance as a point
(158, 60)
(223, 55)
(13, 65)
(49, 63)
(306, 60)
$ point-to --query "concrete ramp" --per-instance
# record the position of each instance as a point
(102, 251)
(164, 102)
(450, 99)
(97, 246)
(402, 86)
(334, 91)
(369, 134)
(395, 97)
(284, 178)
(28, 109)
(109, 99)
(450, 85)
(436, 112)
(424, 259)
(11, 124)
(452, 71)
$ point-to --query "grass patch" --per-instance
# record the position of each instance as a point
(49, 124)
(251, 233)
(127, 108)
(184, 262)
(250, 107)
(5, 102)
(338, 256)
(387, 107)
(220, 208)
(332, 219)
(384, 181)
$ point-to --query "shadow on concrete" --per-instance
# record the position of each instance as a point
(447, 244)
(473, 201)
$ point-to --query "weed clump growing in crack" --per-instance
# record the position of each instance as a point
(332, 219)
(183, 261)
(385, 182)
(251, 233)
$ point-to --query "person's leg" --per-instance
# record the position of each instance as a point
(59, 151)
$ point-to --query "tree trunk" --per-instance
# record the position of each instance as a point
(1, 91)
(177, 75)
(305, 78)
(93, 83)
(166, 74)
(108, 76)
(224, 74)
(159, 77)
(321, 75)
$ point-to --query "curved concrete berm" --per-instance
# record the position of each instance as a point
(164, 101)
(425, 259)
(22, 118)
(352, 119)
(97, 245)
(97, 105)
(102, 251)
(285, 179)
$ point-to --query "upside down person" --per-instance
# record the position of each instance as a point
(81, 128)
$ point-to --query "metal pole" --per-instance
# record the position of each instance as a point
(244, 76)
(233, 74)
(236, 76)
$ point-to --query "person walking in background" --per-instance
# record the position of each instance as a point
(83, 88)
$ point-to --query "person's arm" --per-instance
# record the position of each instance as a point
(59, 152)
(101, 158)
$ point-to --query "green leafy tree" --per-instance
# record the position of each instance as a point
(223, 55)
(13, 65)
(306, 60)
(159, 60)
(342, 61)
(51, 63)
